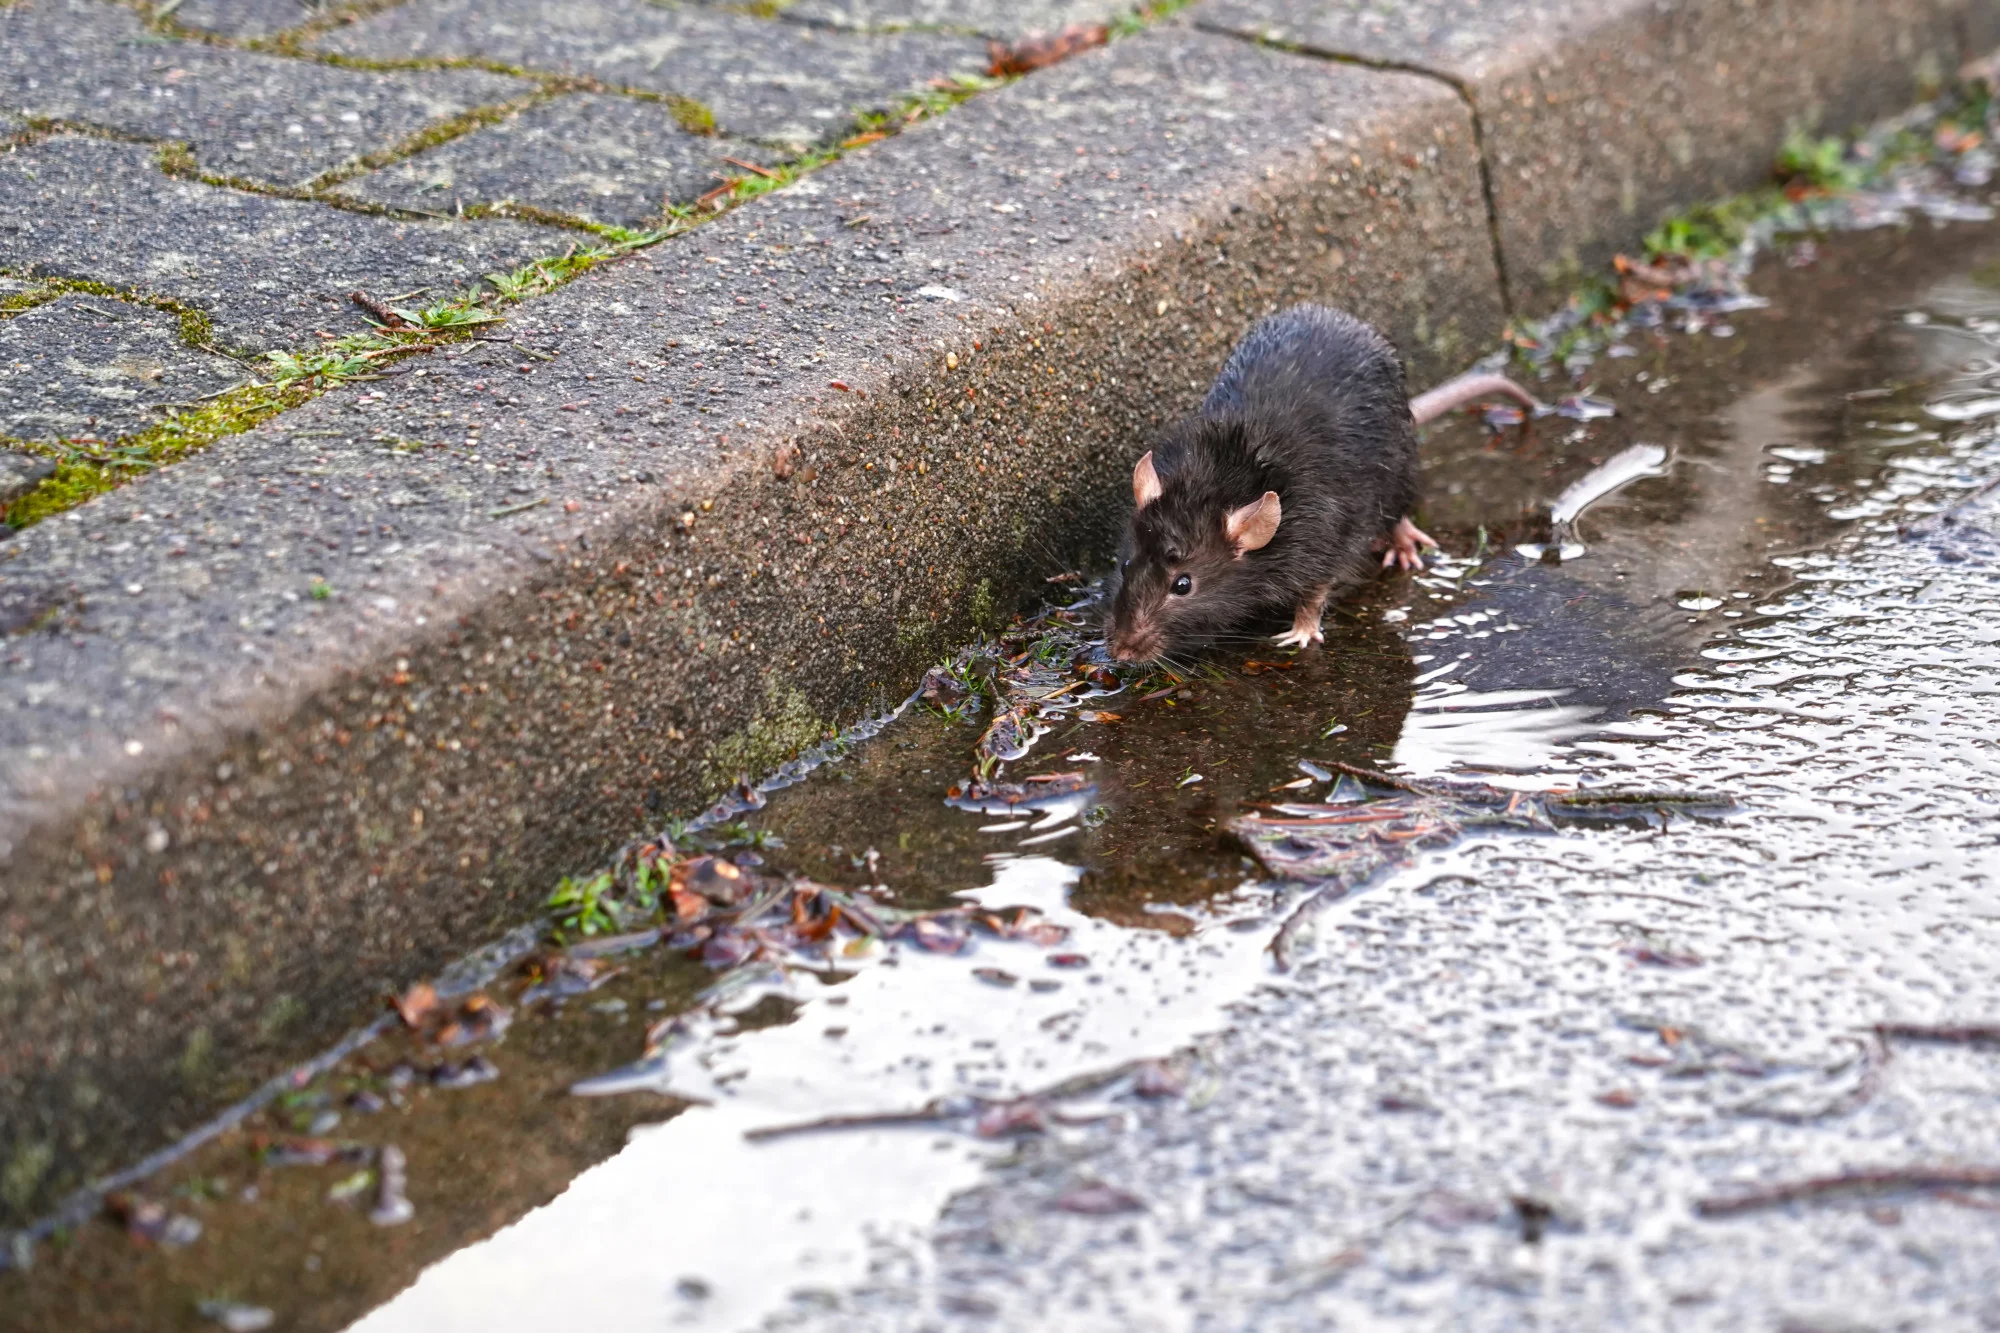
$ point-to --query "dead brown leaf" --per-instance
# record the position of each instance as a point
(1039, 49)
(417, 1004)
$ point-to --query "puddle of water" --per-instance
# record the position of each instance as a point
(1676, 640)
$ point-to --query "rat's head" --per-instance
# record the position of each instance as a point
(1186, 570)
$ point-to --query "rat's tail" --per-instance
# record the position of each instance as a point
(1431, 405)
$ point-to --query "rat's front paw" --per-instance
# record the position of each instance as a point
(1299, 636)
(1404, 544)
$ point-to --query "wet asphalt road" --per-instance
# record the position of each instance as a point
(1522, 1081)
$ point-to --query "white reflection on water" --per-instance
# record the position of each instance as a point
(754, 1223)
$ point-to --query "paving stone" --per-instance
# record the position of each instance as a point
(1600, 116)
(253, 117)
(89, 365)
(609, 159)
(989, 18)
(779, 82)
(268, 272)
(717, 534)
(247, 18)
(19, 474)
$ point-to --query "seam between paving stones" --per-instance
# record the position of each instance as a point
(263, 400)
(1457, 86)
(175, 159)
(593, 584)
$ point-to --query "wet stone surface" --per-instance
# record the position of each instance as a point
(255, 117)
(1000, 19)
(607, 159)
(21, 473)
(1571, 185)
(1504, 1068)
(268, 272)
(283, 557)
(781, 83)
(86, 365)
(248, 18)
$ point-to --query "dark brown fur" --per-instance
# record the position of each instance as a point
(1311, 405)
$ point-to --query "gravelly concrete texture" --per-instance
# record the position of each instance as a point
(248, 18)
(734, 552)
(1002, 19)
(783, 83)
(607, 159)
(1481, 1103)
(21, 473)
(1600, 115)
(773, 466)
(89, 365)
(268, 272)
(251, 117)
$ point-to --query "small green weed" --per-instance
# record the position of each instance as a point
(585, 906)
(1820, 164)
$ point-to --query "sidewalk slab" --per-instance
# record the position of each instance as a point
(247, 117)
(776, 467)
(1600, 116)
(1001, 19)
(782, 83)
(606, 159)
(89, 365)
(247, 19)
(267, 272)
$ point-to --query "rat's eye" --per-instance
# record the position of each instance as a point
(1182, 586)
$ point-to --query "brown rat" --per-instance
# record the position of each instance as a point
(1298, 469)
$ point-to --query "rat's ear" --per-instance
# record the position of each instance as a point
(1254, 524)
(1145, 482)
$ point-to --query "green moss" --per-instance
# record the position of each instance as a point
(177, 160)
(28, 300)
(83, 472)
(196, 330)
(1709, 230)
(22, 1179)
(691, 115)
(197, 1063)
(279, 1016)
(1821, 164)
(982, 605)
(785, 725)
(430, 136)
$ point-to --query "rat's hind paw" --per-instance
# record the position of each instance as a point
(1299, 637)
(1403, 546)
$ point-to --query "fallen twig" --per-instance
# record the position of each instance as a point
(765, 172)
(1851, 1182)
(380, 311)
(1967, 1033)
(930, 1113)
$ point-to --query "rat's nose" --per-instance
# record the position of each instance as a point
(1134, 648)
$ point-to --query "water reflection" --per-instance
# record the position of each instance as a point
(692, 1226)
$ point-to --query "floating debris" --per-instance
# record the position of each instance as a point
(1858, 1182)
(1340, 844)
(473, 1072)
(237, 1317)
(151, 1222)
(1001, 1117)
(1097, 1199)
(392, 1205)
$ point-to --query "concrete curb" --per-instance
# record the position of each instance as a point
(774, 468)
(1595, 119)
